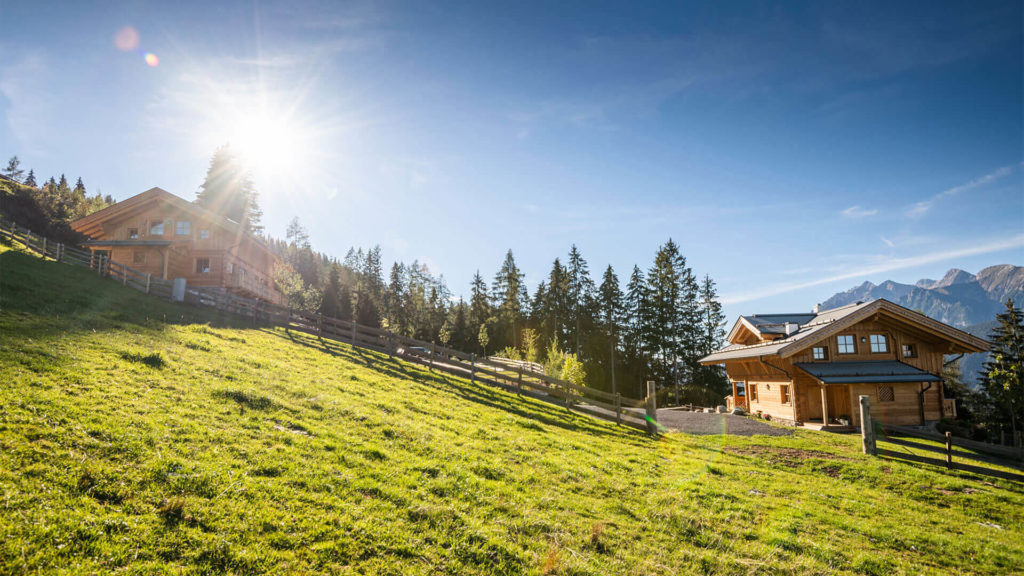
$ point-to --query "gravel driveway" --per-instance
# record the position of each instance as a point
(702, 423)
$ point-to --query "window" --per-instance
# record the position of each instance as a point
(820, 353)
(909, 351)
(202, 265)
(133, 233)
(156, 228)
(753, 392)
(886, 394)
(879, 344)
(182, 228)
(230, 267)
(785, 393)
(204, 234)
(138, 257)
(846, 344)
(741, 389)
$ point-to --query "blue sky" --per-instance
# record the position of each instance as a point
(792, 150)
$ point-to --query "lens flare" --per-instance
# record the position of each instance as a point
(151, 59)
(126, 39)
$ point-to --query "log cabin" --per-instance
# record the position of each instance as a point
(808, 369)
(158, 233)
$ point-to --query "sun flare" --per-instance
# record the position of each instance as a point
(269, 145)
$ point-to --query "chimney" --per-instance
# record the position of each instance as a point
(791, 327)
(817, 308)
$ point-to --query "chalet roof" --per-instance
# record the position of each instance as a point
(865, 372)
(827, 322)
(91, 225)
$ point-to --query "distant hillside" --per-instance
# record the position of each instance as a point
(969, 302)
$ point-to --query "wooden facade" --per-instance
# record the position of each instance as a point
(161, 234)
(885, 345)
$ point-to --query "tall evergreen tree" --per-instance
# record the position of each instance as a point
(580, 294)
(610, 302)
(228, 190)
(31, 179)
(509, 296)
(479, 304)
(1003, 376)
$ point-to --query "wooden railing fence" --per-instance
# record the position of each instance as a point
(1005, 456)
(519, 378)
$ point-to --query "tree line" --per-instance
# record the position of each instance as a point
(608, 336)
(49, 208)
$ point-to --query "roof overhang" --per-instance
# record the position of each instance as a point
(876, 372)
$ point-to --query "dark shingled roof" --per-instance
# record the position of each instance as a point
(866, 372)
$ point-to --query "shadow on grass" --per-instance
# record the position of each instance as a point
(529, 406)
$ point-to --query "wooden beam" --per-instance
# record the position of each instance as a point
(824, 406)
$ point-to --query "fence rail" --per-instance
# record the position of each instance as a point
(519, 377)
(998, 455)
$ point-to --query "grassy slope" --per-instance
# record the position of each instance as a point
(251, 450)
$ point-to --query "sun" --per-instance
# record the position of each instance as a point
(270, 146)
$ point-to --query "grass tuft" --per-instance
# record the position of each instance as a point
(247, 399)
(153, 359)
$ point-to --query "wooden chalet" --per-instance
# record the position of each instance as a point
(809, 369)
(161, 234)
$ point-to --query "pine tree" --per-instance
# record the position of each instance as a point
(31, 179)
(556, 306)
(331, 305)
(13, 170)
(228, 190)
(509, 296)
(610, 304)
(479, 303)
(1003, 376)
(580, 293)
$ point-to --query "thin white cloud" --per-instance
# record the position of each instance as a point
(885, 265)
(921, 208)
(858, 212)
(888, 242)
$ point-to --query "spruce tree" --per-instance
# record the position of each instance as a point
(580, 294)
(509, 297)
(479, 303)
(31, 179)
(228, 190)
(1003, 376)
(611, 302)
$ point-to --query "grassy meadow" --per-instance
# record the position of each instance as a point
(140, 437)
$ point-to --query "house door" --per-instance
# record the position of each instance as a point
(839, 402)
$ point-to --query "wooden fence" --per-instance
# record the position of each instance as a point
(520, 378)
(999, 455)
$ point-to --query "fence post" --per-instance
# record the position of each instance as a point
(519, 388)
(44, 246)
(568, 403)
(651, 404)
(28, 239)
(618, 409)
(60, 251)
(472, 368)
(149, 279)
(867, 427)
(124, 275)
(949, 450)
(319, 325)
(353, 332)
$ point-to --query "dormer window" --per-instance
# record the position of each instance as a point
(879, 344)
(846, 344)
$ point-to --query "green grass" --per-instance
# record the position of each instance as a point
(145, 438)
